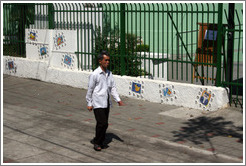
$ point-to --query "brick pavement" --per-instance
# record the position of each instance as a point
(217, 133)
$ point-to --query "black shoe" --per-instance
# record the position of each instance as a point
(102, 146)
(97, 147)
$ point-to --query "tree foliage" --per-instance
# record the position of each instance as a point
(112, 44)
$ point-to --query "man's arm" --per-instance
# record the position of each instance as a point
(91, 86)
(115, 94)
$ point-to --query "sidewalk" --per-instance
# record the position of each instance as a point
(49, 123)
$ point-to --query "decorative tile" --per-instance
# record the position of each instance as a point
(167, 93)
(59, 41)
(67, 61)
(43, 51)
(10, 65)
(204, 99)
(32, 37)
(136, 89)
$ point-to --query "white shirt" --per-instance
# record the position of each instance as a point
(100, 85)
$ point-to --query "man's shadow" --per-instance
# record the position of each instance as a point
(109, 138)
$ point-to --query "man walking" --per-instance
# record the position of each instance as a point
(101, 85)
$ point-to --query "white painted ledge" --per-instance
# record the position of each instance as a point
(180, 94)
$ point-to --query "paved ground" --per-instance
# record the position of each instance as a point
(49, 123)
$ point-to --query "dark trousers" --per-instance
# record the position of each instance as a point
(101, 116)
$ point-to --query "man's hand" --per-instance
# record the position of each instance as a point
(90, 108)
(121, 103)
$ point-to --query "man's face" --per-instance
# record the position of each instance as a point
(105, 62)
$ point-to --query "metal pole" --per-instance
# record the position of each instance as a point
(122, 39)
(51, 15)
(219, 44)
(230, 45)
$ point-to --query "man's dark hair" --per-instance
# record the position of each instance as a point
(100, 56)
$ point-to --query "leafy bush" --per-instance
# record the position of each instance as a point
(112, 44)
(142, 48)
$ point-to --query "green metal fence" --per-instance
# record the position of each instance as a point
(16, 18)
(233, 68)
(166, 41)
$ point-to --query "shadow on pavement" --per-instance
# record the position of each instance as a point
(202, 129)
(110, 137)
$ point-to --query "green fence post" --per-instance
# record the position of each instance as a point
(219, 44)
(230, 49)
(51, 15)
(122, 39)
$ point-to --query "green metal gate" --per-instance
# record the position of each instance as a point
(16, 17)
(233, 62)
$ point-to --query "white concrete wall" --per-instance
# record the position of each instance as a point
(52, 68)
(186, 95)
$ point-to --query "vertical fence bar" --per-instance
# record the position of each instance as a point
(186, 35)
(128, 38)
(88, 36)
(85, 39)
(93, 33)
(182, 53)
(177, 21)
(197, 32)
(77, 22)
(118, 37)
(22, 20)
(158, 41)
(207, 52)
(153, 39)
(81, 7)
(162, 29)
(140, 33)
(144, 36)
(167, 44)
(219, 44)
(203, 51)
(122, 37)
(134, 54)
(213, 67)
(238, 85)
(128, 24)
(149, 37)
(230, 46)
(51, 15)
(192, 54)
